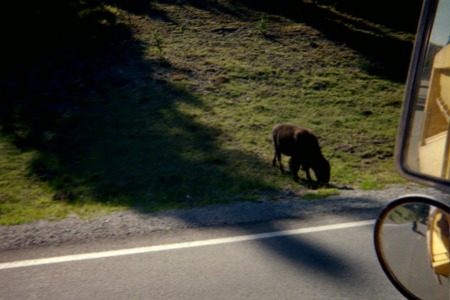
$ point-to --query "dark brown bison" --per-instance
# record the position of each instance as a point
(303, 148)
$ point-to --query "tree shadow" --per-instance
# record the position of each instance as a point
(388, 55)
(303, 254)
(104, 122)
(345, 22)
(382, 12)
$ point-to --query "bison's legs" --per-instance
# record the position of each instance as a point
(274, 163)
(308, 175)
(294, 166)
(277, 155)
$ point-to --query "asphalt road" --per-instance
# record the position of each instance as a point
(310, 258)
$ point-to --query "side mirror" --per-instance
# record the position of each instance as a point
(423, 143)
(412, 245)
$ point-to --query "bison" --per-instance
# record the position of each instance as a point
(303, 147)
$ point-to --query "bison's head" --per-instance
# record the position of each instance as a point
(322, 171)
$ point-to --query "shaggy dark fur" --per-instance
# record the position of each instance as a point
(303, 148)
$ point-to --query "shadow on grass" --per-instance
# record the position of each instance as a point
(106, 126)
(388, 55)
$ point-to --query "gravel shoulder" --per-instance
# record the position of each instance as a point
(129, 223)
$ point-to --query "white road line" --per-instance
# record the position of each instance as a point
(158, 248)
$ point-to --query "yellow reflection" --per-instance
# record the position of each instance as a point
(434, 151)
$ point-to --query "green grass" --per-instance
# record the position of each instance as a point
(179, 114)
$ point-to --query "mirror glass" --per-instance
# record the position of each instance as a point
(428, 144)
(413, 242)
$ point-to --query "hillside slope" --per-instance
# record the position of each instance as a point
(170, 104)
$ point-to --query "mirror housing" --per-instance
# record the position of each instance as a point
(422, 150)
(412, 245)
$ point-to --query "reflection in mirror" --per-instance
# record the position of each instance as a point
(428, 146)
(414, 243)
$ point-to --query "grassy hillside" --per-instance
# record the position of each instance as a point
(168, 104)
